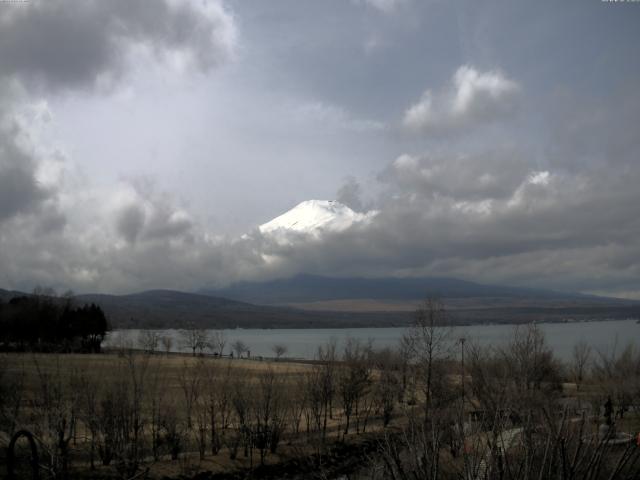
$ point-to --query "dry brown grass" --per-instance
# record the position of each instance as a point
(108, 368)
(108, 365)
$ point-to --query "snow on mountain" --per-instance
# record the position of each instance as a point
(315, 217)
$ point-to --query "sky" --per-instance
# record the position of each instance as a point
(143, 143)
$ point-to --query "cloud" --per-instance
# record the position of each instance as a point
(142, 213)
(487, 175)
(329, 116)
(474, 98)
(555, 210)
(56, 226)
(20, 191)
(129, 222)
(490, 216)
(384, 6)
(350, 194)
(546, 228)
(63, 44)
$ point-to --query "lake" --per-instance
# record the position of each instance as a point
(303, 343)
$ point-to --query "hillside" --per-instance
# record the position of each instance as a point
(172, 309)
(313, 288)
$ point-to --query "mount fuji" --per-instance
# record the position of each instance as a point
(315, 217)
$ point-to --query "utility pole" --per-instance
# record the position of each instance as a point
(462, 340)
(462, 375)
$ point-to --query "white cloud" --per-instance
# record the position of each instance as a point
(539, 178)
(473, 98)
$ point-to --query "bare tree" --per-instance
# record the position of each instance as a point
(618, 377)
(327, 381)
(354, 378)
(239, 347)
(298, 402)
(174, 433)
(213, 391)
(581, 356)
(269, 413)
(90, 393)
(190, 380)
(387, 388)
(57, 414)
(196, 340)
(149, 340)
(279, 350)
(429, 341)
(218, 342)
(156, 381)
(243, 404)
(131, 416)
(122, 342)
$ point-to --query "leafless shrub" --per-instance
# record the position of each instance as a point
(194, 339)
(218, 342)
(429, 344)
(55, 405)
(279, 350)
(239, 347)
(270, 413)
(149, 340)
(579, 362)
(387, 389)
(618, 377)
(354, 379)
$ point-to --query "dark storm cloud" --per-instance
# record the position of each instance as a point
(65, 44)
(20, 191)
(59, 232)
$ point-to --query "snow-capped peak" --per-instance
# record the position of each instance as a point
(314, 217)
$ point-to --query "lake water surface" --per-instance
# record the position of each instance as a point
(303, 343)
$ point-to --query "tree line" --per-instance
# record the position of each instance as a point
(44, 322)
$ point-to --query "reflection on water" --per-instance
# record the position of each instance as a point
(303, 343)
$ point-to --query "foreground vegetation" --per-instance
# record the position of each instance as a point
(420, 411)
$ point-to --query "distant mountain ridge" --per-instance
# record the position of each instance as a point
(165, 309)
(175, 309)
(466, 302)
(314, 288)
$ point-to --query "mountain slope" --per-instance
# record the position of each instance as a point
(172, 309)
(312, 288)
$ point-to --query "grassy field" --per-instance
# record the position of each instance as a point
(173, 409)
(168, 381)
